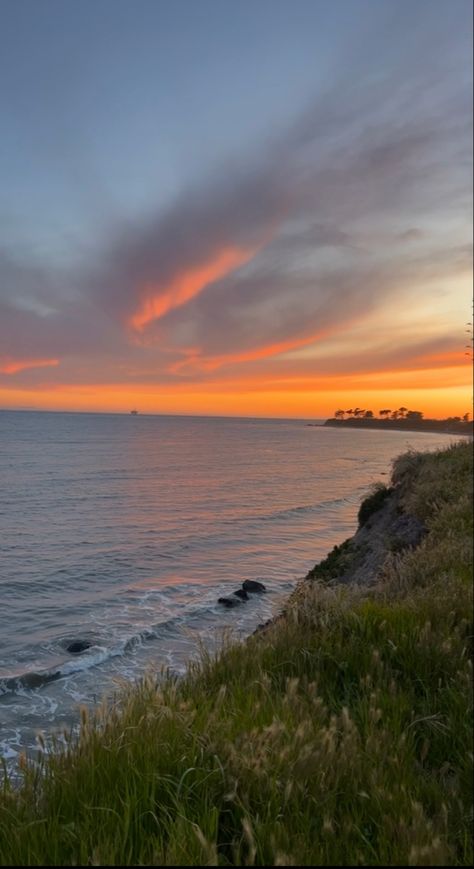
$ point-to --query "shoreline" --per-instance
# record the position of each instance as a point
(423, 427)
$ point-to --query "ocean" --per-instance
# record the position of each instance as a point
(123, 531)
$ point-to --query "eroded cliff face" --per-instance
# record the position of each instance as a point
(388, 531)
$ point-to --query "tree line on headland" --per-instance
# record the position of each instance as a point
(403, 418)
(401, 413)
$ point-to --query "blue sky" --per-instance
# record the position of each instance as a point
(113, 106)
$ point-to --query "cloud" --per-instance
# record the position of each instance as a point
(287, 243)
(10, 365)
(158, 300)
(360, 200)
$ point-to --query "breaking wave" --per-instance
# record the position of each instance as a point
(91, 657)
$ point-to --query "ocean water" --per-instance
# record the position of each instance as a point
(124, 530)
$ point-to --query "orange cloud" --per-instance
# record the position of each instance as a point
(211, 363)
(8, 365)
(196, 361)
(188, 284)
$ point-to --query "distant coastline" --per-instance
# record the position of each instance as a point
(440, 426)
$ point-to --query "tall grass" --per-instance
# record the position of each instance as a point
(339, 736)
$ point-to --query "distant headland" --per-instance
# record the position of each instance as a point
(400, 420)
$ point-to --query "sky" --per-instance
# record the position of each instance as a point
(260, 208)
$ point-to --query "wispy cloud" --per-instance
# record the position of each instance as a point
(363, 199)
(157, 300)
(9, 365)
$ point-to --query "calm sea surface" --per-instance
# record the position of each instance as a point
(124, 530)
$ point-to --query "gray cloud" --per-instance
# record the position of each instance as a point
(390, 159)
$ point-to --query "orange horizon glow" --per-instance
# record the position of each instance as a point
(188, 284)
(297, 397)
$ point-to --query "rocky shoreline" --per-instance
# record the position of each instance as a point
(433, 426)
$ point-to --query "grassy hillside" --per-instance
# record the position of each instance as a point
(341, 735)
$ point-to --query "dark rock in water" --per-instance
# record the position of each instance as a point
(263, 625)
(78, 646)
(228, 601)
(253, 585)
(241, 593)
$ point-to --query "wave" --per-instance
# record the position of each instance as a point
(302, 509)
(92, 657)
(32, 679)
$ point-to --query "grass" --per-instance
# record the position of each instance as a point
(341, 735)
(373, 502)
(337, 562)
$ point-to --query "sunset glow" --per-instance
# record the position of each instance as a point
(291, 397)
(187, 242)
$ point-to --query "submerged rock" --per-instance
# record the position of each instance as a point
(253, 586)
(241, 594)
(229, 601)
(78, 646)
